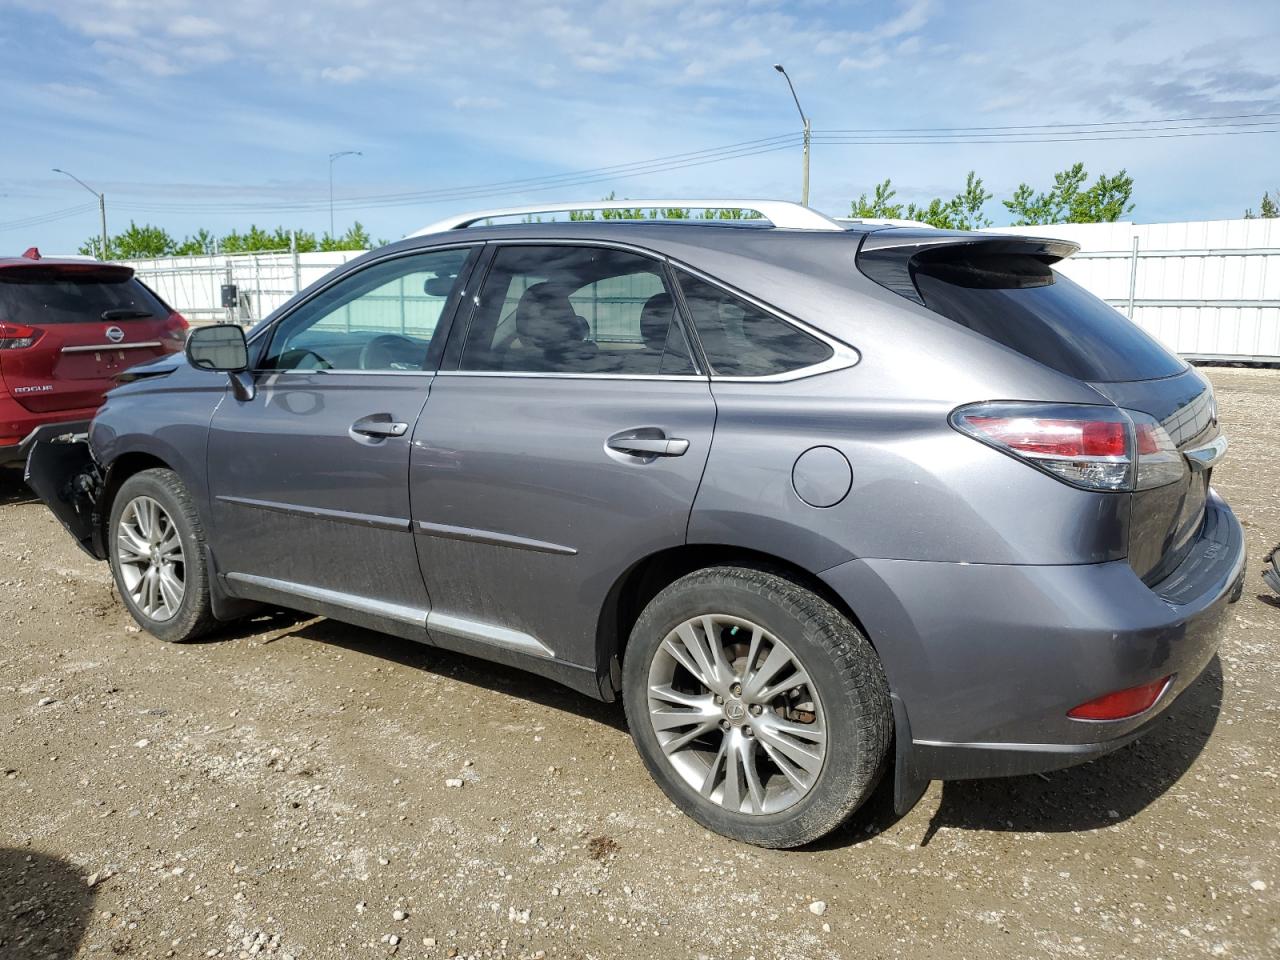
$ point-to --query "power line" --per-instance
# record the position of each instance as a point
(591, 175)
(1069, 139)
(1054, 126)
(1082, 131)
(41, 218)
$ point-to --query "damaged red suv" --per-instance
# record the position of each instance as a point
(68, 328)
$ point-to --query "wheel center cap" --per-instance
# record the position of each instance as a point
(735, 711)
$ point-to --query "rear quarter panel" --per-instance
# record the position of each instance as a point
(920, 490)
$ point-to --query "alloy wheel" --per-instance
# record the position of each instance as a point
(152, 564)
(736, 714)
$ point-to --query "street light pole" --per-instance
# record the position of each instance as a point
(102, 205)
(804, 192)
(332, 157)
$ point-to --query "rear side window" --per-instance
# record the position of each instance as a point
(741, 340)
(43, 298)
(1019, 301)
(586, 310)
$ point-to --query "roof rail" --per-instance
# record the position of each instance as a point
(884, 221)
(781, 213)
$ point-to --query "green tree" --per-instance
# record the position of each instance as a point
(356, 238)
(135, 243)
(255, 240)
(879, 207)
(966, 206)
(1106, 200)
(964, 211)
(1270, 208)
(202, 243)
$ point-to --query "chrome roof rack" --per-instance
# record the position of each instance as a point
(781, 213)
(883, 221)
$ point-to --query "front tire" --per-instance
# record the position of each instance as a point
(759, 709)
(157, 556)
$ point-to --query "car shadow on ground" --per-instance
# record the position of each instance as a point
(45, 905)
(1103, 792)
(458, 666)
(1093, 795)
(13, 489)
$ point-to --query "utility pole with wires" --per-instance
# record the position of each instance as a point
(808, 130)
(332, 157)
(102, 207)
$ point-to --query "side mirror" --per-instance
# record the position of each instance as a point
(220, 347)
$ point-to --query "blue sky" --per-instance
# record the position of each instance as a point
(192, 114)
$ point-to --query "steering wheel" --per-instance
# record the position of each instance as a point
(295, 359)
(390, 351)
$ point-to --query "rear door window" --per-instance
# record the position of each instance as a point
(1019, 301)
(583, 310)
(742, 340)
(40, 298)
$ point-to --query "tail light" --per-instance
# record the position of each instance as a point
(14, 336)
(1093, 447)
(175, 328)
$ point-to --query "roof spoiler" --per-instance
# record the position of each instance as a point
(888, 256)
(38, 271)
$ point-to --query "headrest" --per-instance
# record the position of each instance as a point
(545, 317)
(655, 320)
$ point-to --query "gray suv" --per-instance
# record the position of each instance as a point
(815, 500)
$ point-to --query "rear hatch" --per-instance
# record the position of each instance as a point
(68, 329)
(1005, 289)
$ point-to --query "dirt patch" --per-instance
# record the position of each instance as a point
(283, 791)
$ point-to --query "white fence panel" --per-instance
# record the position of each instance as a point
(264, 281)
(1208, 289)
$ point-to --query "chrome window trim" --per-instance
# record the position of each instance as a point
(330, 371)
(699, 378)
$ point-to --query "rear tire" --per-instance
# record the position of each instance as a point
(785, 735)
(156, 545)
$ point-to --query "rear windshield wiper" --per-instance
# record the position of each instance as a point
(125, 313)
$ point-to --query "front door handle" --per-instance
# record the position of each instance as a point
(648, 446)
(379, 425)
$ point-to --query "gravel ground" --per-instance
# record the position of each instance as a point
(297, 787)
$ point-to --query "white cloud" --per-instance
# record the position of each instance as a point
(347, 73)
(192, 26)
(477, 103)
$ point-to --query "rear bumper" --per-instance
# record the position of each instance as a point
(52, 429)
(985, 660)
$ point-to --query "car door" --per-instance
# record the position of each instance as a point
(309, 478)
(564, 445)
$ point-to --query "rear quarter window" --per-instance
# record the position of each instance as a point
(1019, 301)
(43, 298)
(741, 340)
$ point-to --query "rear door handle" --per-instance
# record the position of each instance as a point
(379, 425)
(648, 446)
